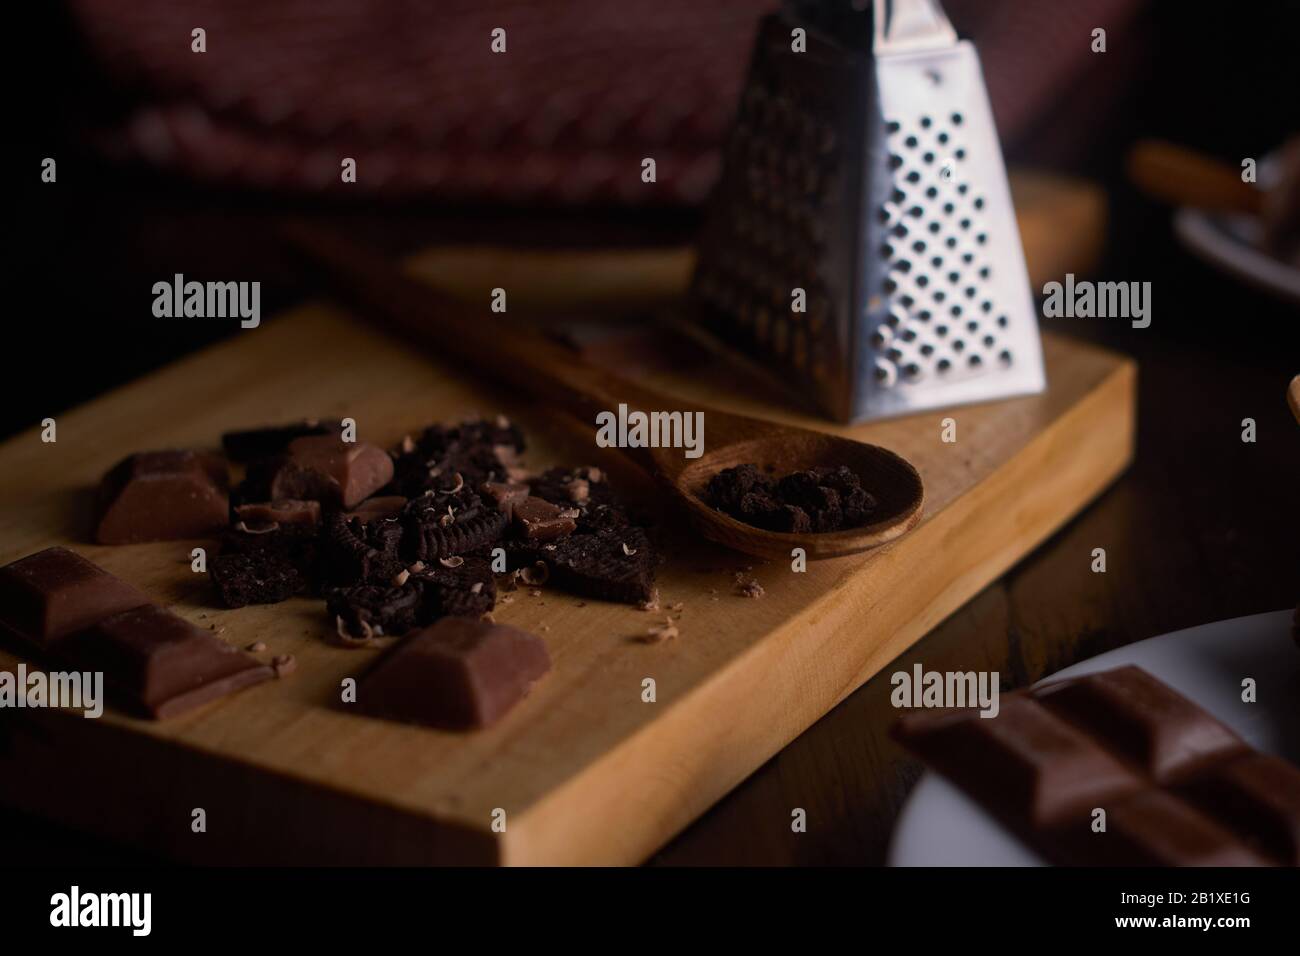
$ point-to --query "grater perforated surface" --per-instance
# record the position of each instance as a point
(946, 316)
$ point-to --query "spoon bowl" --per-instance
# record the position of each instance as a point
(891, 479)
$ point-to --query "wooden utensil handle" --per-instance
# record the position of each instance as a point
(1187, 178)
(519, 358)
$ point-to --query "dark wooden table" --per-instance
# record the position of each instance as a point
(1203, 526)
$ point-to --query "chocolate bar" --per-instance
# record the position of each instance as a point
(159, 664)
(334, 472)
(1177, 786)
(458, 674)
(50, 594)
(163, 496)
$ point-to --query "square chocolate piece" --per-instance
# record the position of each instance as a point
(160, 664)
(50, 594)
(163, 496)
(329, 470)
(458, 673)
(539, 520)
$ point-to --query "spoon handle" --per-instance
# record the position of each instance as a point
(514, 356)
(1185, 177)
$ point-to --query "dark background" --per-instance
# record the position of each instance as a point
(1203, 527)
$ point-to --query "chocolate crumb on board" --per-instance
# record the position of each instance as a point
(284, 665)
(658, 633)
(748, 587)
(816, 500)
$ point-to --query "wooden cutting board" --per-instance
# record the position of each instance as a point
(585, 770)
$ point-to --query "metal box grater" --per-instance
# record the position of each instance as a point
(867, 172)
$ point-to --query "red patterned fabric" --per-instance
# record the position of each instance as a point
(413, 92)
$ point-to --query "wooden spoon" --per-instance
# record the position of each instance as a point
(1186, 177)
(522, 359)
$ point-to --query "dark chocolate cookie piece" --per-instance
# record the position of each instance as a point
(255, 577)
(457, 586)
(443, 456)
(574, 487)
(440, 525)
(298, 545)
(353, 553)
(368, 610)
(617, 564)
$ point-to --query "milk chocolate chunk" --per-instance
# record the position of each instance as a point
(459, 674)
(161, 665)
(253, 443)
(539, 520)
(505, 494)
(334, 472)
(163, 496)
(50, 594)
(261, 515)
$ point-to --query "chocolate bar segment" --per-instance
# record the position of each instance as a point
(1026, 762)
(163, 496)
(50, 594)
(1152, 724)
(1258, 797)
(334, 472)
(1177, 787)
(160, 664)
(1154, 828)
(459, 674)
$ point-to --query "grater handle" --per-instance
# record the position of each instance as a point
(904, 26)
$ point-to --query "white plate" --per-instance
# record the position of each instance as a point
(941, 826)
